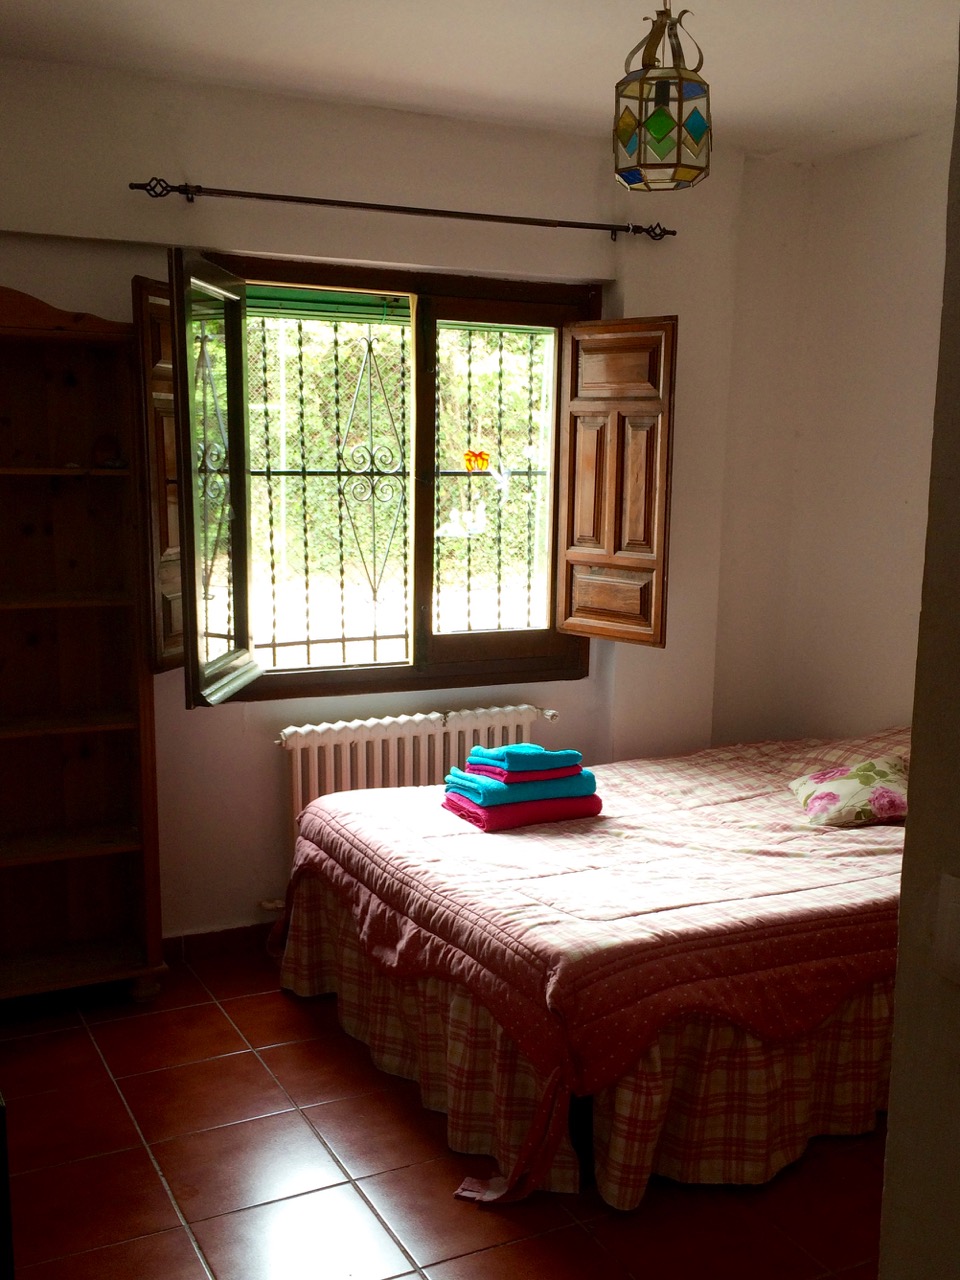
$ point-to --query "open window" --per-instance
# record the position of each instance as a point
(370, 459)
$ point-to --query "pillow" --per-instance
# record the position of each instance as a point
(854, 795)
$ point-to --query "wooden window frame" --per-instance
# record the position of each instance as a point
(448, 661)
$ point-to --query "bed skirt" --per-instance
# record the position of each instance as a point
(707, 1103)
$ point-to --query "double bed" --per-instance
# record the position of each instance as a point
(710, 970)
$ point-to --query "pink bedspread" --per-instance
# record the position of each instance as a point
(699, 889)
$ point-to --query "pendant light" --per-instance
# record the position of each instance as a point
(661, 131)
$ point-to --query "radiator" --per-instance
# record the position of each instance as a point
(397, 751)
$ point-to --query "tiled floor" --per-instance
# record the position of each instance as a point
(230, 1131)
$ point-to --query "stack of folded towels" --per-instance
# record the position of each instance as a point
(515, 786)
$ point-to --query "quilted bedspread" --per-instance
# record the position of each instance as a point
(700, 889)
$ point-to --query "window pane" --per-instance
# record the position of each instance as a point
(493, 478)
(215, 605)
(330, 491)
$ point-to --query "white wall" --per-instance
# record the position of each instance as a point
(839, 274)
(72, 233)
(695, 279)
(743, 283)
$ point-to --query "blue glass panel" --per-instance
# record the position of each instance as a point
(631, 144)
(691, 89)
(631, 177)
(695, 125)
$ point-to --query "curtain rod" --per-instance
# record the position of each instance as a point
(159, 187)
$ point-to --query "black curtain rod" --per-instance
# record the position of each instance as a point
(159, 187)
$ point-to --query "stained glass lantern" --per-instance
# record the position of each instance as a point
(661, 132)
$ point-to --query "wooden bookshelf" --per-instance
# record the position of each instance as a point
(79, 883)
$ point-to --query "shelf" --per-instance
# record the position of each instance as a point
(47, 726)
(98, 842)
(54, 600)
(79, 874)
(74, 472)
(72, 966)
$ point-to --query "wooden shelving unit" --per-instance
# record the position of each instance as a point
(79, 896)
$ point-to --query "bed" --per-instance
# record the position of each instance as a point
(711, 971)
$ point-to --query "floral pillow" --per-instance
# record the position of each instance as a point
(854, 795)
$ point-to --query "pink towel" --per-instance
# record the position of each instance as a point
(525, 813)
(521, 775)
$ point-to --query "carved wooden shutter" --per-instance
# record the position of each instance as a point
(614, 496)
(151, 314)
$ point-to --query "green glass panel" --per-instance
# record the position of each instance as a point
(660, 123)
(661, 148)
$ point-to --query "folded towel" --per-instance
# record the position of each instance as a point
(524, 755)
(490, 791)
(520, 775)
(505, 816)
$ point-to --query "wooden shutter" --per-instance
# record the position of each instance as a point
(614, 494)
(151, 316)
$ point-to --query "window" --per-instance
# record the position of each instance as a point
(371, 463)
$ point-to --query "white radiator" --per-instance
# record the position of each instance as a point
(397, 751)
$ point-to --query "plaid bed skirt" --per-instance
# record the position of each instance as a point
(707, 1102)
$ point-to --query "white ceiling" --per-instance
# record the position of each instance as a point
(799, 79)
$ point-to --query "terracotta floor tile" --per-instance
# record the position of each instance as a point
(330, 1234)
(419, 1206)
(202, 1095)
(87, 1204)
(227, 945)
(179, 988)
(688, 1233)
(866, 1271)
(828, 1202)
(168, 1255)
(230, 976)
(568, 1254)
(322, 1070)
(244, 1164)
(38, 1064)
(67, 1124)
(275, 1017)
(29, 1015)
(168, 1039)
(378, 1131)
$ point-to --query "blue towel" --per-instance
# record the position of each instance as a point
(526, 755)
(491, 791)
